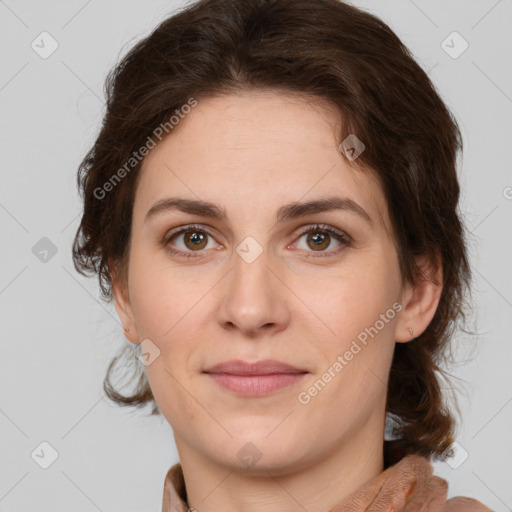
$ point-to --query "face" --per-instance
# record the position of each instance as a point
(255, 285)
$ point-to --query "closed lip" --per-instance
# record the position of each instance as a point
(265, 367)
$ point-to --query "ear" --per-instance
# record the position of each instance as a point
(122, 302)
(419, 302)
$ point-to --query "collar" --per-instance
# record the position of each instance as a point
(407, 486)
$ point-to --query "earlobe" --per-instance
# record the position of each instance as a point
(122, 303)
(420, 302)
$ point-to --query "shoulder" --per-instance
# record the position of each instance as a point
(463, 504)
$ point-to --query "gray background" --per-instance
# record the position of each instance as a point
(57, 337)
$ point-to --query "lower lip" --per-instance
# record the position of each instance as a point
(256, 385)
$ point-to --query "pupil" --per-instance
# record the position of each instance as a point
(195, 237)
(318, 238)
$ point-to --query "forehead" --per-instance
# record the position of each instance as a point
(254, 150)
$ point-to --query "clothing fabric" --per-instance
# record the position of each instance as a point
(408, 486)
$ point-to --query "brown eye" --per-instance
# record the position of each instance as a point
(187, 241)
(318, 241)
(319, 238)
(196, 239)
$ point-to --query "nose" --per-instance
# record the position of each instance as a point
(255, 299)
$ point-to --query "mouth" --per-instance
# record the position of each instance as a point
(255, 379)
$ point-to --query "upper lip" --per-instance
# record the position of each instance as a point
(265, 367)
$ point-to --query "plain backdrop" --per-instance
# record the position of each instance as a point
(57, 337)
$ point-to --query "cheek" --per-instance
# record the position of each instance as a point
(342, 302)
(172, 393)
(355, 306)
(161, 296)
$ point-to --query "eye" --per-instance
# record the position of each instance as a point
(195, 238)
(319, 237)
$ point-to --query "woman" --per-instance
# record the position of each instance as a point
(272, 205)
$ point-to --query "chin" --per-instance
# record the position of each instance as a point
(258, 453)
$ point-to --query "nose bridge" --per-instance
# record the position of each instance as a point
(250, 272)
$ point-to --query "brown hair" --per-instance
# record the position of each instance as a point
(326, 49)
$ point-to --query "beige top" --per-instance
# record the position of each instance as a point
(408, 486)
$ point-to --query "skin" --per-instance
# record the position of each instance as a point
(251, 153)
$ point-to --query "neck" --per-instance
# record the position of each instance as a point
(315, 486)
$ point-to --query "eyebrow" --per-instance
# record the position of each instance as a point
(286, 212)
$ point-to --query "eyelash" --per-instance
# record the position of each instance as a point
(338, 235)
